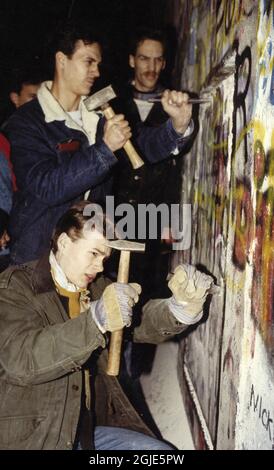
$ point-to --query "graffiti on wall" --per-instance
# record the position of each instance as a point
(264, 415)
(229, 15)
(262, 295)
(233, 197)
(253, 221)
(212, 186)
(242, 211)
(263, 258)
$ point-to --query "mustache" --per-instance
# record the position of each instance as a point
(154, 74)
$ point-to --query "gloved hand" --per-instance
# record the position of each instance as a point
(114, 309)
(190, 288)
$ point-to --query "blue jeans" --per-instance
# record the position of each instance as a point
(111, 438)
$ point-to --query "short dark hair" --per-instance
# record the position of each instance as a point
(73, 222)
(26, 75)
(142, 34)
(67, 34)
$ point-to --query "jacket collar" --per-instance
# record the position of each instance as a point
(41, 278)
(53, 111)
(146, 95)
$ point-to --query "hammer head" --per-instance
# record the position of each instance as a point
(100, 98)
(125, 245)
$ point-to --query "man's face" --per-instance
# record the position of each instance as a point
(27, 93)
(82, 259)
(148, 62)
(80, 71)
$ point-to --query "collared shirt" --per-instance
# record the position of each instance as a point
(54, 112)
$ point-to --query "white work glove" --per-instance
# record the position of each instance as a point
(114, 309)
(190, 288)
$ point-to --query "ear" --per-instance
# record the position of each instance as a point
(60, 59)
(63, 242)
(164, 64)
(14, 97)
(131, 61)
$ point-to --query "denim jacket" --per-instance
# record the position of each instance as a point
(55, 163)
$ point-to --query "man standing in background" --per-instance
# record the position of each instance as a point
(152, 183)
(155, 183)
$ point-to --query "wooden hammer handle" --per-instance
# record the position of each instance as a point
(134, 157)
(117, 336)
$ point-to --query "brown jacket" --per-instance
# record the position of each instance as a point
(42, 354)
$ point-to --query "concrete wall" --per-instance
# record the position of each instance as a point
(226, 51)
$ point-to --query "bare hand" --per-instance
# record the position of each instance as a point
(116, 132)
(175, 104)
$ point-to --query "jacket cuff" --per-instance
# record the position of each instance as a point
(180, 138)
(180, 314)
(95, 318)
(177, 135)
(106, 156)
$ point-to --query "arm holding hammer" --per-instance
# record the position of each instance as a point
(114, 310)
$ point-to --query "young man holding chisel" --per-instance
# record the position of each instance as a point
(153, 183)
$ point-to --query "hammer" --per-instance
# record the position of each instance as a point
(125, 247)
(100, 100)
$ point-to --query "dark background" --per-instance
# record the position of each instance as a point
(26, 25)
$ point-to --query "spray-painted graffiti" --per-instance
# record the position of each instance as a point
(228, 17)
(224, 14)
(263, 277)
(242, 83)
(243, 224)
(233, 206)
(211, 195)
(242, 212)
(256, 404)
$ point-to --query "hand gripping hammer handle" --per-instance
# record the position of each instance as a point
(135, 159)
(117, 336)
